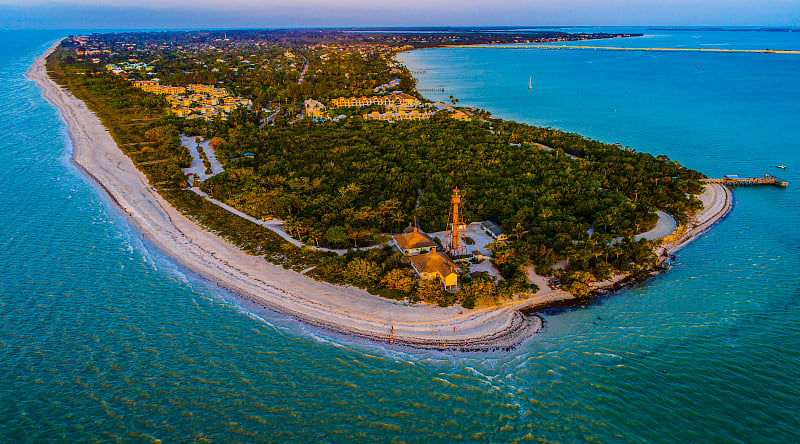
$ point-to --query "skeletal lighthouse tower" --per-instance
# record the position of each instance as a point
(453, 246)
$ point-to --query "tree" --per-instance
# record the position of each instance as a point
(429, 290)
(578, 283)
(336, 237)
(315, 234)
(399, 279)
(160, 133)
(216, 142)
(479, 291)
(362, 272)
(407, 83)
(398, 218)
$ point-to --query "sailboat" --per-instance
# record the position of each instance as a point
(530, 82)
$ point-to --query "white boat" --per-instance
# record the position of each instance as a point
(530, 82)
(783, 167)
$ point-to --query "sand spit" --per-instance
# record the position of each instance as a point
(717, 203)
(342, 309)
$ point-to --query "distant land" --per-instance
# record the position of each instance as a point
(721, 28)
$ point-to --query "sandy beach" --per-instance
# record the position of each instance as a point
(717, 202)
(345, 310)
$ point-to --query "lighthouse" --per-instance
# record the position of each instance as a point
(453, 244)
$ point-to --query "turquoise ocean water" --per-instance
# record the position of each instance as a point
(104, 338)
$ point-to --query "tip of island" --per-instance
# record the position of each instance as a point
(303, 170)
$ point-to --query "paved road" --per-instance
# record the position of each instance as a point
(197, 167)
(303, 74)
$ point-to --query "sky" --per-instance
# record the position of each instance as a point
(157, 14)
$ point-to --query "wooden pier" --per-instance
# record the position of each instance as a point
(735, 181)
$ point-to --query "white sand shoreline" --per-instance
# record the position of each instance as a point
(717, 203)
(345, 310)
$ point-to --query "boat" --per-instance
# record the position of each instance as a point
(783, 167)
(530, 82)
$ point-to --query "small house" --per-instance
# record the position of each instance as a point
(414, 242)
(436, 265)
(493, 230)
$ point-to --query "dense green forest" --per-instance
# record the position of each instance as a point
(349, 183)
(343, 184)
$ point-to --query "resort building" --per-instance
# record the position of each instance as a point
(399, 115)
(195, 101)
(179, 101)
(414, 242)
(459, 115)
(314, 109)
(145, 83)
(170, 90)
(436, 265)
(152, 86)
(392, 100)
(181, 112)
(455, 113)
(198, 88)
(404, 100)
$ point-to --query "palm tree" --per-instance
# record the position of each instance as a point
(315, 235)
(518, 232)
(290, 224)
(353, 234)
(398, 217)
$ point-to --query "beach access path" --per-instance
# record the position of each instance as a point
(276, 225)
(665, 226)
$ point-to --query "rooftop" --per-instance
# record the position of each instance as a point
(414, 239)
(434, 262)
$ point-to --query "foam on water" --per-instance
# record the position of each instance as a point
(101, 337)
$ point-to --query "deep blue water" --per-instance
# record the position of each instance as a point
(103, 338)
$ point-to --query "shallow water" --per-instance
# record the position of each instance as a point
(101, 337)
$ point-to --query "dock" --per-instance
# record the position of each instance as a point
(735, 181)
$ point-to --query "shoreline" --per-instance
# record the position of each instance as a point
(343, 310)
